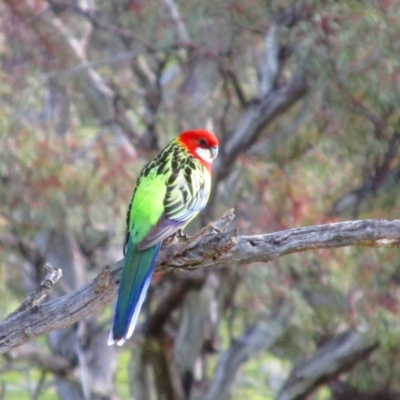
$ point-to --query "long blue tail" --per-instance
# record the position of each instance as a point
(135, 280)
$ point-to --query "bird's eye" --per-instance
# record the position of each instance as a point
(203, 142)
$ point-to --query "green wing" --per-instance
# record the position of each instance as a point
(168, 195)
(146, 207)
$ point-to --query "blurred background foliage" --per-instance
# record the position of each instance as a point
(305, 98)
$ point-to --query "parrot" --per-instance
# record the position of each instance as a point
(170, 191)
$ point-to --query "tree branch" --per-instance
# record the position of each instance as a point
(213, 246)
(180, 26)
(259, 338)
(54, 34)
(53, 275)
(383, 177)
(156, 321)
(338, 355)
(271, 65)
(34, 355)
(258, 115)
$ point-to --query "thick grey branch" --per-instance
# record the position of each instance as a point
(270, 67)
(261, 337)
(223, 248)
(258, 115)
(210, 248)
(336, 356)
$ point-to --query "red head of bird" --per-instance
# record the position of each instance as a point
(201, 144)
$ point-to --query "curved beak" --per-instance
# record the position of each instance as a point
(214, 152)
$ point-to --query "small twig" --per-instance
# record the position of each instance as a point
(180, 26)
(53, 275)
(40, 385)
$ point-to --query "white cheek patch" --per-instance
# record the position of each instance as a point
(205, 154)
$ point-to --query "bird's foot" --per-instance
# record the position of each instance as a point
(176, 237)
(181, 235)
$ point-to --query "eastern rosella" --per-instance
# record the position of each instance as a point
(170, 192)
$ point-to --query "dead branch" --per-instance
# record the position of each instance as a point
(53, 275)
(214, 246)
